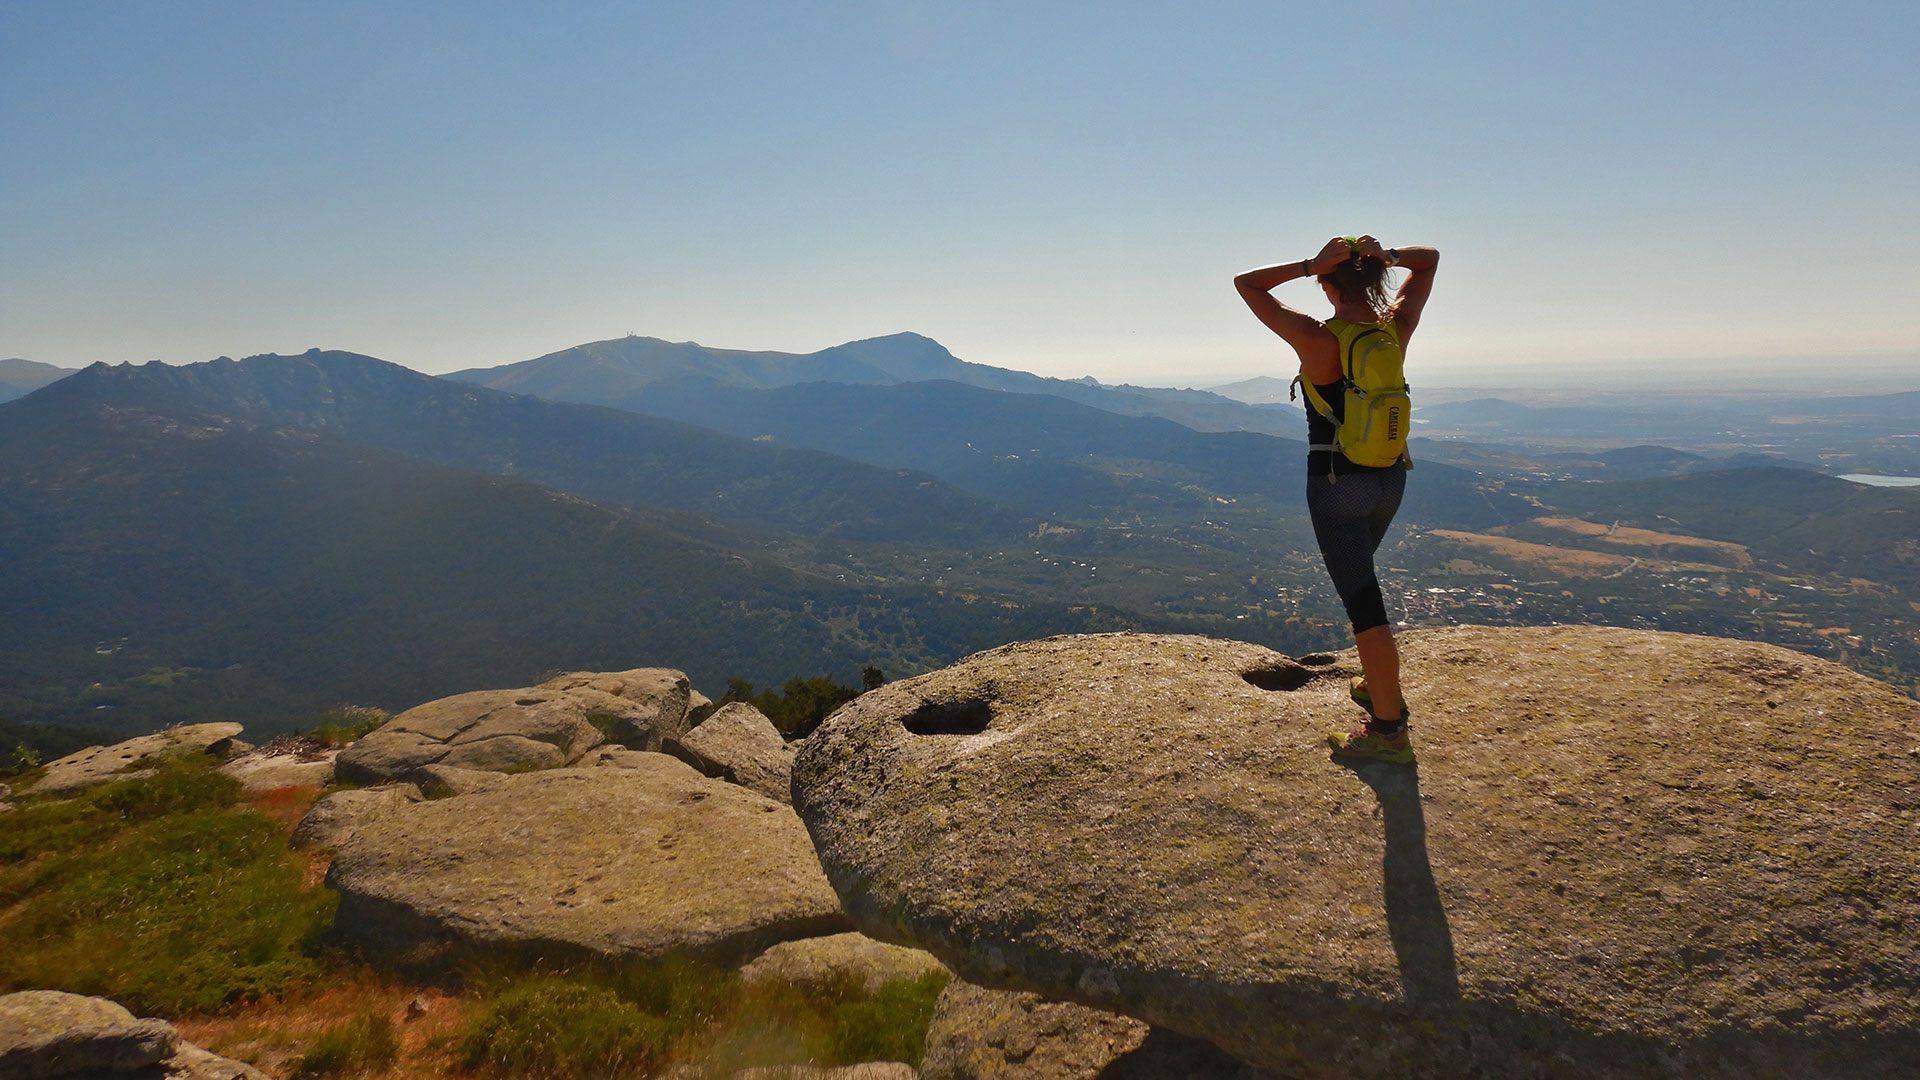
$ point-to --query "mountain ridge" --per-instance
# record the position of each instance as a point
(614, 372)
(599, 453)
(18, 377)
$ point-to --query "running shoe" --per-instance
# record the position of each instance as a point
(1358, 692)
(1361, 696)
(1364, 742)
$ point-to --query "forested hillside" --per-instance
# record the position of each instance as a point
(166, 565)
(607, 455)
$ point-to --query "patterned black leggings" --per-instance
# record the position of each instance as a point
(1350, 517)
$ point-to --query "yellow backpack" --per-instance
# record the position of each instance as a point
(1373, 428)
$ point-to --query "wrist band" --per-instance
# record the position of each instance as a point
(1393, 254)
(1305, 270)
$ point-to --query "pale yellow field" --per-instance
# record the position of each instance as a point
(1552, 559)
(1736, 555)
(1569, 562)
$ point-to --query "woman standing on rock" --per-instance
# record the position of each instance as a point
(1356, 435)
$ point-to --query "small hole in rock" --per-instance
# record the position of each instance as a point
(1319, 659)
(1287, 677)
(949, 718)
(528, 701)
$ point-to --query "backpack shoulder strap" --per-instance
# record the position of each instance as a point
(1353, 343)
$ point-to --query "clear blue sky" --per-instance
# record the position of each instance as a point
(1062, 188)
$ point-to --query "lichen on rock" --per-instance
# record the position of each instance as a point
(641, 861)
(1652, 854)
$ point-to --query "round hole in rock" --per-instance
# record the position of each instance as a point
(528, 701)
(949, 718)
(1279, 677)
(1319, 659)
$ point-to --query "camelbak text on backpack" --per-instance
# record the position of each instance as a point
(1372, 429)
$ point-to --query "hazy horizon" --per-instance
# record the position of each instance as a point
(1734, 376)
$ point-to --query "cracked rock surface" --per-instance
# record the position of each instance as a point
(642, 860)
(537, 727)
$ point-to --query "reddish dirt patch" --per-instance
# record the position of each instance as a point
(271, 1035)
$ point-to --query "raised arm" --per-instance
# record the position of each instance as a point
(1412, 297)
(1318, 350)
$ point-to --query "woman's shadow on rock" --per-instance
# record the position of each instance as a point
(1416, 920)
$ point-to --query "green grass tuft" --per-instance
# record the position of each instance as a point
(603, 1020)
(891, 1025)
(564, 1028)
(366, 1043)
(159, 892)
(45, 826)
(343, 724)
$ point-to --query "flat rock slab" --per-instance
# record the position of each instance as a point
(336, 816)
(740, 745)
(644, 860)
(445, 781)
(268, 769)
(494, 730)
(981, 1034)
(98, 765)
(839, 958)
(646, 705)
(47, 1033)
(1621, 853)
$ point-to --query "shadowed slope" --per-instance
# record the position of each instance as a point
(290, 570)
(602, 454)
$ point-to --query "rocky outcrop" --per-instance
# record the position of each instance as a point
(839, 959)
(641, 861)
(98, 765)
(646, 705)
(1621, 853)
(541, 727)
(337, 816)
(980, 1034)
(615, 757)
(282, 764)
(740, 745)
(446, 781)
(497, 730)
(47, 1034)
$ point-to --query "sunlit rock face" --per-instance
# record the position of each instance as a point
(740, 745)
(536, 727)
(136, 757)
(1620, 853)
(641, 860)
(981, 1034)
